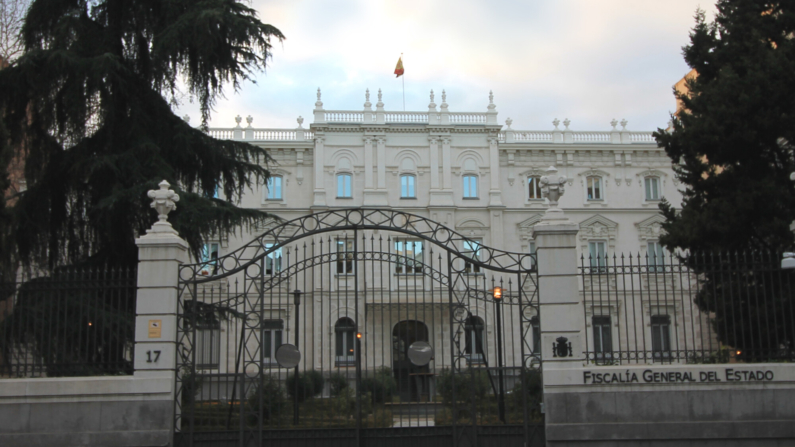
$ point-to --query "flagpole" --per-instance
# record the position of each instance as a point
(404, 85)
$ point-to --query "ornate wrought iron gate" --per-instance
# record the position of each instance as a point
(407, 332)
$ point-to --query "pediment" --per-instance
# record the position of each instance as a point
(533, 173)
(526, 226)
(530, 221)
(592, 171)
(651, 228)
(598, 220)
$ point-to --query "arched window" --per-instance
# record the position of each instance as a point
(345, 353)
(595, 188)
(473, 330)
(652, 188)
(344, 186)
(470, 186)
(274, 186)
(534, 188)
(407, 186)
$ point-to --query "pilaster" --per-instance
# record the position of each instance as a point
(495, 194)
(319, 162)
(434, 156)
(368, 162)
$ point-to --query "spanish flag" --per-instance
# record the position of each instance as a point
(399, 67)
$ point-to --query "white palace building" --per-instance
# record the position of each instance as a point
(463, 170)
(466, 171)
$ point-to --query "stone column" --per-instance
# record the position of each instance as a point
(319, 161)
(160, 253)
(560, 303)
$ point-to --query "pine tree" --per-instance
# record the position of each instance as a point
(732, 146)
(732, 149)
(89, 109)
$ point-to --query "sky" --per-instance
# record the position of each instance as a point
(587, 60)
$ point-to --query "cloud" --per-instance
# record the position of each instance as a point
(585, 60)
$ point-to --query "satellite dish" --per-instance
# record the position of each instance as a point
(420, 353)
(288, 356)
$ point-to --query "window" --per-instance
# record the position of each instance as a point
(652, 188)
(344, 186)
(472, 250)
(655, 257)
(273, 261)
(345, 256)
(535, 326)
(208, 346)
(533, 255)
(407, 186)
(595, 188)
(274, 186)
(661, 337)
(345, 353)
(409, 257)
(470, 186)
(209, 259)
(534, 188)
(473, 331)
(602, 338)
(597, 256)
(271, 339)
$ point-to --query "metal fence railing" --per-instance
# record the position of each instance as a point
(71, 322)
(702, 308)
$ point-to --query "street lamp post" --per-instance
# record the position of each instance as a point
(297, 302)
(497, 293)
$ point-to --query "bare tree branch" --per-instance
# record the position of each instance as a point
(12, 16)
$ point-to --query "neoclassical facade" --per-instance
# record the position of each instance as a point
(464, 170)
(467, 171)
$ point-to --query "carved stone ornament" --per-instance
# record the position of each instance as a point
(650, 229)
(552, 186)
(164, 200)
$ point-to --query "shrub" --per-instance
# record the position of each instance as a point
(381, 385)
(534, 395)
(469, 385)
(310, 384)
(337, 384)
(274, 400)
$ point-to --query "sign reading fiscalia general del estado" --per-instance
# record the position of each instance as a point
(667, 376)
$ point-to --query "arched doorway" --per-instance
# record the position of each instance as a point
(409, 376)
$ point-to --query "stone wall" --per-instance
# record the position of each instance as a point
(86, 411)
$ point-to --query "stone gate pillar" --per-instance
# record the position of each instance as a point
(160, 253)
(560, 303)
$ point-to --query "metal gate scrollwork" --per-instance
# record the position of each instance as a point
(359, 327)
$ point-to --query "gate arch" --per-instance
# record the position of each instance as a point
(414, 269)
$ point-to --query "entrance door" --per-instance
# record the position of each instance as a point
(410, 378)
